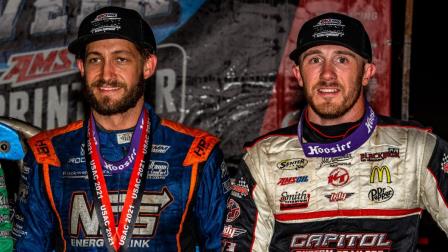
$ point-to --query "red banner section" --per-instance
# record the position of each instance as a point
(284, 105)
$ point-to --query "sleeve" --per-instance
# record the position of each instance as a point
(34, 221)
(434, 180)
(249, 219)
(212, 194)
(5, 224)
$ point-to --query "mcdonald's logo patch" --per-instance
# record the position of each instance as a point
(378, 173)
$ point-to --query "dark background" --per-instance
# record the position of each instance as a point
(427, 79)
(428, 55)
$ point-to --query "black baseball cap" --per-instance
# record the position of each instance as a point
(334, 29)
(114, 22)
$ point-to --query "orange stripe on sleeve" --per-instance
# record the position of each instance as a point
(50, 197)
(194, 174)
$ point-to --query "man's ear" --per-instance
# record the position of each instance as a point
(149, 66)
(369, 72)
(80, 64)
(297, 74)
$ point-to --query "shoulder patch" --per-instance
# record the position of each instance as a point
(200, 149)
(42, 146)
(202, 145)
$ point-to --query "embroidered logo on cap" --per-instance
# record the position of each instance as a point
(106, 22)
(328, 27)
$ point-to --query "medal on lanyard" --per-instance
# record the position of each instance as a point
(118, 238)
(343, 146)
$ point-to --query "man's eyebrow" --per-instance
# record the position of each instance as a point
(346, 52)
(114, 52)
(310, 52)
(317, 51)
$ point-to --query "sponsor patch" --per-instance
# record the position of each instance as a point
(378, 156)
(227, 186)
(381, 194)
(99, 242)
(124, 138)
(341, 242)
(338, 177)
(338, 196)
(377, 174)
(158, 169)
(337, 161)
(201, 148)
(23, 192)
(3, 201)
(160, 148)
(295, 200)
(240, 188)
(292, 180)
(84, 222)
(444, 163)
(224, 170)
(231, 231)
(233, 210)
(292, 164)
(228, 246)
(75, 174)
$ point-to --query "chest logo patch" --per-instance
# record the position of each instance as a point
(338, 177)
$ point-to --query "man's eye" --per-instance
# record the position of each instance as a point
(342, 60)
(121, 60)
(314, 60)
(93, 60)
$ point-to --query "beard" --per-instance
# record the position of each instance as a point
(331, 110)
(107, 106)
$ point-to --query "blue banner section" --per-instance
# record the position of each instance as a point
(188, 9)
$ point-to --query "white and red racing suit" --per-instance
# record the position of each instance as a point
(368, 199)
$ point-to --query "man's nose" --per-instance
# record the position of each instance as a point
(108, 70)
(328, 71)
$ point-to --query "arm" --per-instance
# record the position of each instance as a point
(5, 224)
(249, 218)
(34, 221)
(434, 180)
(212, 194)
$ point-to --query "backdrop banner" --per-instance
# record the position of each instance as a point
(223, 65)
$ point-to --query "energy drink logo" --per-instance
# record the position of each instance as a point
(84, 220)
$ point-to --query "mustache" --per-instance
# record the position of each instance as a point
(110, 83)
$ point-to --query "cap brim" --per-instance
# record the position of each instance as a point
(294, 55)
(79, 44)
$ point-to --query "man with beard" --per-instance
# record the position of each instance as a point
(124, 179)
(343, 178)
